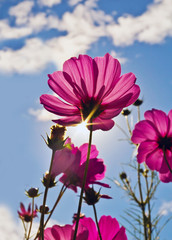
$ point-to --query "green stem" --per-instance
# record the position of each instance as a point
(128, 125)
(45, 198)
(95, 214)
(25, 229)
(142, 205)
(166, 160)
(55, 205)
(138, 112)
(28, 236)
(149, 209)
(83, 183)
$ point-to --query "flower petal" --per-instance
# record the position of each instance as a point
(103, 124)
(165, 177)
(144, 149)
(109, 227)
(154, 160)
(84, 149)
(91, 226)
(68, 121)
(144, 131)
(62, 85)
(83, 72)
(109, 70)
(62, 233)
(56, 106)
(159, 119)
(121, 235)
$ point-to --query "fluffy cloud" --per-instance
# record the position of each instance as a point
(74, 2)
(49, 3)
(166, 208)
(13, 230)
(153, 26)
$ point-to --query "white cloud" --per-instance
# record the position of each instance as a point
(153, 26)
(166, 208)
(21, 11)
(13, 230)
(42, 115)
(118, 56)
(49, 3)
(7, 32)
(74, 2)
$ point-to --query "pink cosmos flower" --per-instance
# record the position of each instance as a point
(109, 228)
(154, 134)
(65, 233)
(91, 90)
(73, 167)
(26, 215)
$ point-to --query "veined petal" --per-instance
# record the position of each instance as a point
(82, 71)
(84, 149)
(159, 119)
(56, 106)
(110, 113)
(154, 160)
(144, 149)
(103, 124)
(170, 123)
(48, 234)
(63, 86)
(91, 226)
(68, 121)
(109, 70)
(62, 233)
(165, 177)
(122, 86)
(109, 227)
(121, 235)
(144, 131)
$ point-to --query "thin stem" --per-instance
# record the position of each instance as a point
(83, 183)
(128, 125)
(149, 208)
(45, 198)
(138, 112)
(30, 227)
(122, 130)
(142, 203)
(166, 159)
(95, 214)
(25, 229)
(55, 205)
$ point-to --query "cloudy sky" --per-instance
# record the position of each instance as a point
(36, 37)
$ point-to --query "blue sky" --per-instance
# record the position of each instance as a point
(36, 37)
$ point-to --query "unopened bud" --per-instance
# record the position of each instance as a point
(45, 180)
(138, 102)
(32, 192)
(46, 209)
(125, 112)
(123, 175)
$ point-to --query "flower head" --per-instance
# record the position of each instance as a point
(27, 215)
(154, 134)
(72, 162)
(91, 90)
(109, 228)
(92, 197)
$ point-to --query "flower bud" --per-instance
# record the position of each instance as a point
(56, 140)
(123, 175)
(32, 192)
(46, 209)
(125, 112)
(52, 181)
(92, 197)
(138, 102)
(82, 215)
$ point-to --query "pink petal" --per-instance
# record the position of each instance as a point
(91, 226)
(170, 123)
(103, 124)
(165, 177)
(63, 87)
(144, 131)
(84, 149)
(83, 72)
(48, 234)
(109, 70)
(121, 235)
(69, 121)
(122, 86)
(155, 159)
(159, 119)
(108, 227)
(62, 233)
(110, 113)
(56, 106)
(63, 159)
(144, 149)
